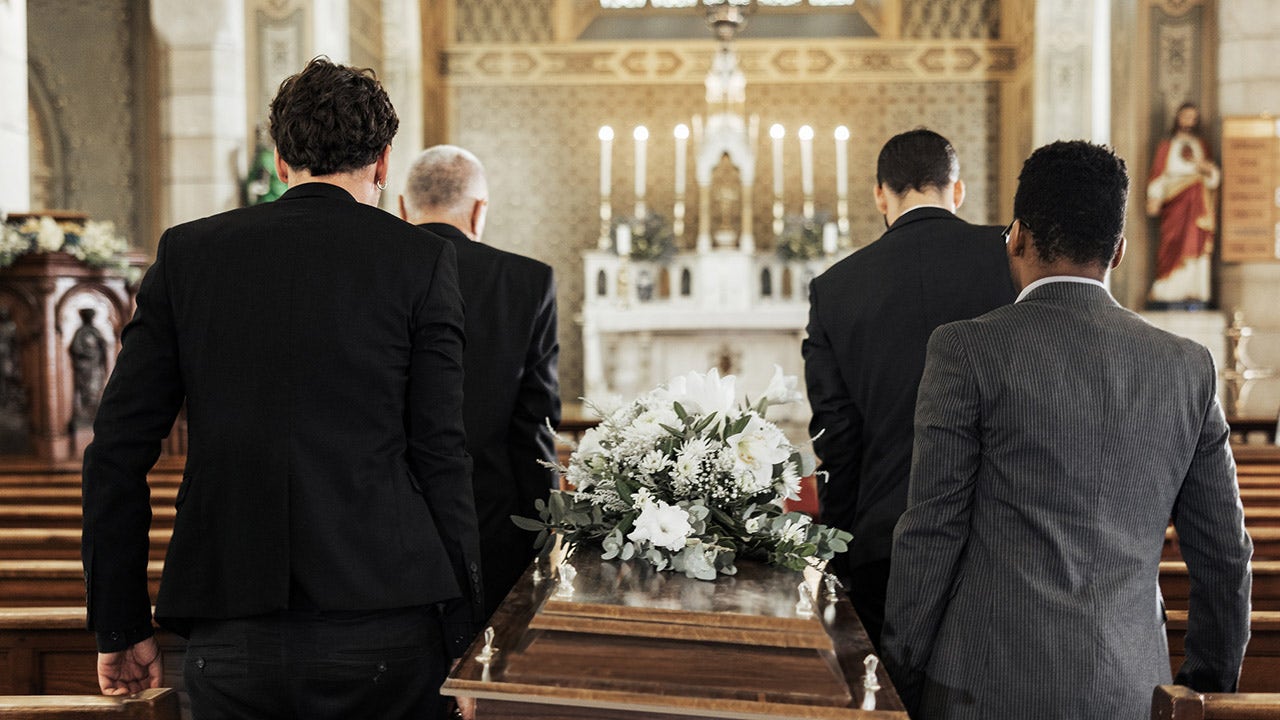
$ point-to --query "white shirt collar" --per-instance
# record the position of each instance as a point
(1057, 278)
(917, 207)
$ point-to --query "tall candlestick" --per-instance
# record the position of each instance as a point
(624, 240)
(606, 158)
(806, 161)
(777, 132)
(842, 161)
(682, 141)
(641, 136)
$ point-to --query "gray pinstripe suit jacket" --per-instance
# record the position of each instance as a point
(1054, 439)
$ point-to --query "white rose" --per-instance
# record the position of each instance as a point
(49, 237)
(589, 444)
(662, 525)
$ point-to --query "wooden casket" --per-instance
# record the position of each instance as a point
(631, 642)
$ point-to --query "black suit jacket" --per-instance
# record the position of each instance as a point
(512, 390)
(870, 317)
(318, 345)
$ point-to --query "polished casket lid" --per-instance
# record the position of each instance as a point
(632, 642)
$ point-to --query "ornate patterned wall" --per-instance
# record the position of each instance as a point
(530, 108)
(504, 21)
(951, 18)
(539, 145)
(86, 58)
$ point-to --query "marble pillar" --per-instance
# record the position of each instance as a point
(202, 96)
(15, 177)
(1072, 71)
(330, 30)
(401, 76)
(1250, 85)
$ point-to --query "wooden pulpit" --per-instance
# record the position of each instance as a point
(50, 305)
(631, 642)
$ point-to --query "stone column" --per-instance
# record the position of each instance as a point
(1072, 71)
(15, 178)
(202, 96)
(330, 29)
(1249, 86)
(401, 73)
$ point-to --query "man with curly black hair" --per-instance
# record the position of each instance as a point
(324, 560)
(1055, 437)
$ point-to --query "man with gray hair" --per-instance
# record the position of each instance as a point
(511, 390)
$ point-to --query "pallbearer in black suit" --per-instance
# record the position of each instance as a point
(870, 316)
(325, 555)
(512, 389)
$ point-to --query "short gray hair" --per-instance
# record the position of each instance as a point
(444, 177)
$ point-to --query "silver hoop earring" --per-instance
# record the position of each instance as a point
(382, 184)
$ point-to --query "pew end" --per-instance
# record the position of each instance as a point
(1176, 702)
(154, 704)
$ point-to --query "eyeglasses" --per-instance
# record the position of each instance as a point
(1009, 228)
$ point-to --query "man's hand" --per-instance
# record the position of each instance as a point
(131, 670)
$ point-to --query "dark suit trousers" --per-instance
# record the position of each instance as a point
(867, 584)
(379, 665)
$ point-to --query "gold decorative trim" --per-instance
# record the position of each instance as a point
(764, 62)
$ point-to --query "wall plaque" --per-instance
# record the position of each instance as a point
(1250, 189)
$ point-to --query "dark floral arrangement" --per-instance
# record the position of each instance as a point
(801, 239)
(652, 238)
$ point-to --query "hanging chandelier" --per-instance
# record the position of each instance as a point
(713, 4)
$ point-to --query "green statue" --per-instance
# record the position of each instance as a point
(262, 184)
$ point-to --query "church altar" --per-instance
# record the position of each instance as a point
(655, 308)
(622, 640)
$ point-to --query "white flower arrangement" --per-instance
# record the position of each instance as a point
(95, 243)
(689, 480)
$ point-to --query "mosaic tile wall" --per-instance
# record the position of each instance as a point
(540, 147)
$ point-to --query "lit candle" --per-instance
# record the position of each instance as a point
(806, 161)
(842, 161)
(829, 238)
(606, 157)
(682, 140)
(641, 135)
(777, 132)
(624, 240)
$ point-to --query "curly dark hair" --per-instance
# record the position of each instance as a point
(1071, 197)
(916, 160)
(331, 118)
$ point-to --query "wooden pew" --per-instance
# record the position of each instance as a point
(68, 516)
(28, 583)
(1175, 585)
(1261, 671)
(155, 704)
(59, 544)
(1266, 543)
(1175, 702)
(48, 651)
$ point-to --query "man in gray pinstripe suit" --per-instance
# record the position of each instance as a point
(1054, 439)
